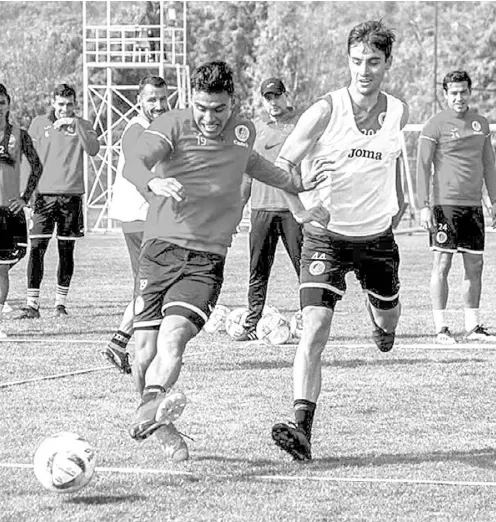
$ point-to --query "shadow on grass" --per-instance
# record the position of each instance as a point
(106, 499)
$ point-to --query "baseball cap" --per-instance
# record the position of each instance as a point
(272, 85)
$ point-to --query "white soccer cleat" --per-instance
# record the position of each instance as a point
(173, 444)
(480, 334)
(7, 309)
(445, 337)
(171, 407)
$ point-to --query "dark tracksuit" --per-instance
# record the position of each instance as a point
(270, 220)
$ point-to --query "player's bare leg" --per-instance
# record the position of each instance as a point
(439, 295)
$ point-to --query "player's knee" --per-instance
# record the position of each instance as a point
(442, 264)
(39, 247)
(317, 324)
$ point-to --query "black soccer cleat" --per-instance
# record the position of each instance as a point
(29, 313)
(60, 311)
(119, 358)
(292, 440)
(383, 339)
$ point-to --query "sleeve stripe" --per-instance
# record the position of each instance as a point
(427, 138)
(160, 135)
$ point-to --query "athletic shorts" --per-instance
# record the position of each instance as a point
(176, 281)
(457, 229)
(133, 243)
(13, 236)
(327, 258)
(63, 211)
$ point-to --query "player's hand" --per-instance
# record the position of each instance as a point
(62, 122)
(321, 169)
(16, 205)
(426, 218)
(318, 213)
(167, 187)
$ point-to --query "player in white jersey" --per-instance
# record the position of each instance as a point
(358, 130)
(130, 207)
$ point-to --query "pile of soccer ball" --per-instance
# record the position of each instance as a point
(64, 462)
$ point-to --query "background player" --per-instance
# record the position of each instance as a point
(200, 155)
(358, 130)
(457, 142)
(14, 142)
(130, 207)
(61, 138)
(271, 218)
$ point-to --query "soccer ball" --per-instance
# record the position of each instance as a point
(273, 329)
(217, 319)
(235, 321)
(296, 325)
(64, 462)
(269, 309)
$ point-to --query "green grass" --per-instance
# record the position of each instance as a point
(404, 436)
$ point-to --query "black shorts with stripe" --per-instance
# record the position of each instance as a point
(327, 258)
(64, 211)
(176, 281)
(13, 236)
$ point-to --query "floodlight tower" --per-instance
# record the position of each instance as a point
(112, 53)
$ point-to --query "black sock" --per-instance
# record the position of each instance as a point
(120, 340)
(304, 412)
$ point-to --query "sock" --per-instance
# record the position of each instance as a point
(33, 298)
(150, 392)
(439, 319)
(304, 412)
(61, 295)
(472, 318)
(119, 341)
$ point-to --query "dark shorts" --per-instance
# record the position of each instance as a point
(327, 258)
(133, 243)
(63, 211)
(176, 281)
(457, 229)
(13, 236)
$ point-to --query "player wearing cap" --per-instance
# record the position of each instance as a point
(271, 217)
(14, 142)
(130, 207)
(61, 138)
(457, 142)
(200, 155)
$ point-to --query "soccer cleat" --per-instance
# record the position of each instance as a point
(60, 311)
(29, 313)
(7, 309)
(173, 444)
(292, 440)
(247, 335)
(383, 340)
(163, 409)
(479, 333)
(119, 358)
(444, 336)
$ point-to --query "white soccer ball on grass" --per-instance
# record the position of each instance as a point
(217, 319)
(269, 309)
(235, 322)
(274, 329)
(64, 462)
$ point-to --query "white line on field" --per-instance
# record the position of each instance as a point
(56, 376)
(283, 478)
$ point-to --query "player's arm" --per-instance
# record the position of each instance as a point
(87, 136)
(425, 155)
(246, 189)
(489, 169)
(400, 195)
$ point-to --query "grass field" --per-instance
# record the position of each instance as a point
(404, 436)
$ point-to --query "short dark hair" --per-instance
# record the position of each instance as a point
(374, 33)
(213, 77)
(64, 90)
(155, 81)
(4, 92)
(456, 77)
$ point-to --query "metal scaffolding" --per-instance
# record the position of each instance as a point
(113, 53)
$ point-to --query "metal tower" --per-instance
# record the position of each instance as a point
(115, 56)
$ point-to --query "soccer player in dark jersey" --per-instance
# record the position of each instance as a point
(130, 207)
(14, 142)
(457, 143)
(61, 138)
(199, 155)
(271, 217)
(358, 129)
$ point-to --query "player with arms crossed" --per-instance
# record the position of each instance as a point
(358, 129)
(199, 155)
(130, 207)
(14, 142)
(60, 138)
(457, 142)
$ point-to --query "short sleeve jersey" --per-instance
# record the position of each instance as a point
(458, 167)
(61, 154)
(211, 172)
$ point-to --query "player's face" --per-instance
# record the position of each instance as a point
(457, 96)
(276, 105)
(153, 101)
(368, 67)
(211, 110)
(64, 107)
(4, 107)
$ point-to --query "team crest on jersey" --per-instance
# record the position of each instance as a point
(143, 283)
(476, 126)
(242, 133)
(441, 237)
(317, 268)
